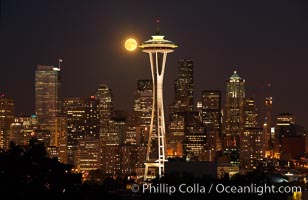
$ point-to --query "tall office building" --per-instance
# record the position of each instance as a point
(252, 149)
(22, 129)
(143, 109)
(234, 116)
(58, 137)
(268, 125)
(74, 108)
(143, 102)
(184, 86)
(183, 102)
(59, 130)
(7, 109)
(252, 138)
(47, 94)
(105, 97)
(176, 134)
(131, 130)
(116, 131)
(138, 128)
(250, 113)
(17, 133)
(111, 148)
(211, 117)
(89, 154)
(89, 148)
(194, 143)
(291, 139)
(128, 155)
(92, 117)
(285, 127)
(268, 121)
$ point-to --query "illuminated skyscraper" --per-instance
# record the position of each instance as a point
(252, 148)
(143, 110)
(285, 127)
(22, 129)
(47, 91)
(176, 134)
(74, 108)
(157, 48)
(104, 95)
(58, 137)
(234, 116)
(252, 138)
(7, 109)
(92, 117)
(250, 113)
(290, 138)
(143, 102)
(211, 117)
(89, 154)
(111, 149)
(183, 103)
(17, 133)
(267, 126)
(184, 87)
(195, 139)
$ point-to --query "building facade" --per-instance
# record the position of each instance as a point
(74, 108)
(7, 109)
(212, 118)
(47, 94)
(234, 116)
(183, 104)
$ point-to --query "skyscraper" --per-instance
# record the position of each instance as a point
(252, 149)
(89, 148)
(211, 117)
(285, 127)
(138, 128)
(143, 102)
(143, 109)
(234, 116)
(176, 134)
(195, 137)
(104, 95)
(47, 91)
(111, 148)
(157, 48)
(267, 126)
(183, 103)
(7, 109)
(58, 137)
(92, 117)
(89, 154)
(74, 108)
(184, 86)
(252, 138)
(250, 113)
(22, 129)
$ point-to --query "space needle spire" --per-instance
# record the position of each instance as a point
(157, 47)
(157, 27)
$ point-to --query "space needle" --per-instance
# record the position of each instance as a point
(157, 48)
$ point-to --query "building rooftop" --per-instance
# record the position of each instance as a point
(235, 76)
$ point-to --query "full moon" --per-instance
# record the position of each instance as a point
(130, 44)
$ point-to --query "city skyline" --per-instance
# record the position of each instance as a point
(218, 37)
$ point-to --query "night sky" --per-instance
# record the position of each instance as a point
(265, 41)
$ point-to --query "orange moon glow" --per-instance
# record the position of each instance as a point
(130, 44)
